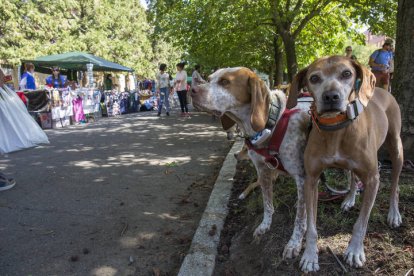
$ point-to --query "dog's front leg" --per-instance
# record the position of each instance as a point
(265, 179)
(354, 254)
(292, 249)
(309, 261)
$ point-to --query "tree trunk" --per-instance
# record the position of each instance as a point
(278, 74)
(290, 49)
(403, 82)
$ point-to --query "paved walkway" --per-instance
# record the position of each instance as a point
(122, 196)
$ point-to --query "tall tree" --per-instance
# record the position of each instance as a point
(113, 29)
(379, 15)
(290, 18)
(403, 83)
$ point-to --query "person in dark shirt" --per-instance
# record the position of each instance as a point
(108, 82)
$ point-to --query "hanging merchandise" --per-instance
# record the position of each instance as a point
(79, 116)
(18, 130)
(89, 68)
(62, 110)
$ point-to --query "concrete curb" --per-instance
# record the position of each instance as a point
(200, 259)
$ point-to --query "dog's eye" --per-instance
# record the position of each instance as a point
(314, 79)
(346, 74)
(224, 82)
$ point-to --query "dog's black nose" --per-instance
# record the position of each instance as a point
(193, 90)
(331, 97)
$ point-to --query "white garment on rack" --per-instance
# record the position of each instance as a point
(18, 130)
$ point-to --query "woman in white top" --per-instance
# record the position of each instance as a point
(196, 78)
(163, 79)
(181, 88)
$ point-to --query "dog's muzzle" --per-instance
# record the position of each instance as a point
(331, 101)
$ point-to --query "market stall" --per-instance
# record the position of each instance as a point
(77, 104)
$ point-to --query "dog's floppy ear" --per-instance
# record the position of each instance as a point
(367, 85)
(298, 82)
(226, 122)
(259, 102)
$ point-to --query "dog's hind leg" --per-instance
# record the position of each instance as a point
(349, 200)
(249, 188)
(265, 179)
(395, 150)
(293, 247)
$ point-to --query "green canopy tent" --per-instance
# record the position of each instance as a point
(76, 61)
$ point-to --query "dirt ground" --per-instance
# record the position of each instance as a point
(388, 251)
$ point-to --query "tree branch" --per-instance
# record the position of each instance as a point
(298, 6)
(276, 17)
(309, 16)
(287, 6)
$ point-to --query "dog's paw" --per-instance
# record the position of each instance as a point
(348, 203)
(394, 218)
(355, 256)
(292, 249)
(309, 261)
(261, 229)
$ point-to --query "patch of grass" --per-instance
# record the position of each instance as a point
(254, 202)
(388, 251)
(337, 178)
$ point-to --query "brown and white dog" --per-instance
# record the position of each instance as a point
(331, 81)
(242, 96)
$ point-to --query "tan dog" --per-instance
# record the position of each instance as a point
(239, 96)
(331, 82)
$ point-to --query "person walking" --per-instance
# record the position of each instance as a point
(380, 62)
(196, 78)
(349, 54)
(28, 81)
(181, 88)
(162, 89)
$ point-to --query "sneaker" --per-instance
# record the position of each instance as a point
(6, 183)
(182, 114)
(187, 114)
(159, 114)
(261, 136)
(168, 113)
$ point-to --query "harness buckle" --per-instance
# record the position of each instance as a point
(272, 163)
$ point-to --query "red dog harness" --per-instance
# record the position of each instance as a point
(271, 152)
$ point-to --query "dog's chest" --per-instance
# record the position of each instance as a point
(293, 146)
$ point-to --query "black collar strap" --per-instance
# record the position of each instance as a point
(274, 111)
(334, 127)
